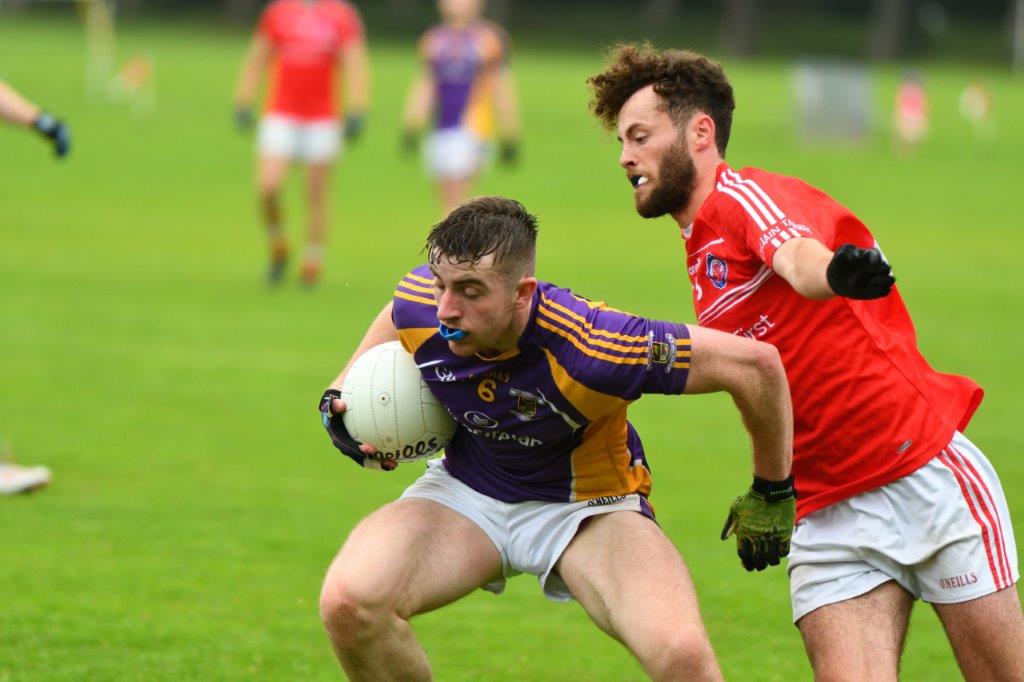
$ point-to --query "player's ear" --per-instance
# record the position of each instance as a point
(525, 289)
(701, 131)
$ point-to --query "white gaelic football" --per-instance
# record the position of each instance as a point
(391, 408)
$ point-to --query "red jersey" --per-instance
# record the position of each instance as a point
(867, 407)
(305, 39)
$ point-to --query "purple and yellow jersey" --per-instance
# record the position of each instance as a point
(465, 63)
(547, 420)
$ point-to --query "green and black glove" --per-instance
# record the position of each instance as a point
(762, 521)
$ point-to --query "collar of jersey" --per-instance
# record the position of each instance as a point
(524, 338)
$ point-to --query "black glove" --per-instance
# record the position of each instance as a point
(56, 131)
(334, 424)
(243, 118)
(354, 124)
(410, 142)
(762, 520)
(508, 152)
(859, 273)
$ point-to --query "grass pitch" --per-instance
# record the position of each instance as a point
(196, 502)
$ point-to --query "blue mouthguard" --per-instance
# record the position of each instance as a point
(449, 334)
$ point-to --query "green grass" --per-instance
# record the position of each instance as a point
(196, 502)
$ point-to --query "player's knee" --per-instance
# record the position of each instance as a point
(349, 618)
(685, 650)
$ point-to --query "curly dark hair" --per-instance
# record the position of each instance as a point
(485, 226)
(685, 80)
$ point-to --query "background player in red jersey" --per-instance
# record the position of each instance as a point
(559, 491)
(895, 503)
(303, 42)
(466, 86)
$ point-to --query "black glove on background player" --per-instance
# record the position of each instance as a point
(243, 118)
(859, 273)
(334, 424)
(56, 131)
(354, 125)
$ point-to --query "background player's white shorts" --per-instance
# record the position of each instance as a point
(943, 533)
(306, 141)
(530, 536)
(454, 154)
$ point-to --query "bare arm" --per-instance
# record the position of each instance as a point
(802, 262)
(420, 102)
(356, 70)
(381, 330)
(16, 109)
(751, 372)
(253, 67)
(506, 104)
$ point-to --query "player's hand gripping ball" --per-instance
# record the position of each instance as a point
(762, 521)
(389, 407)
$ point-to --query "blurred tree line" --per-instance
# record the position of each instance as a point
(978, 30)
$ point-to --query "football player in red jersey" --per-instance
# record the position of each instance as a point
(303, 41)
(895, 503)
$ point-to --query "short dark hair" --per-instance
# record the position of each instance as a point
(685, 80)
(485, 226)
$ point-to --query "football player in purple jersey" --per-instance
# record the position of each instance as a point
(544, 474)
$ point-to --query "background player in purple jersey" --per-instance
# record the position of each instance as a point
(544, 474)
(466, 87)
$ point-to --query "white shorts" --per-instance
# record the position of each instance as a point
(943, 533)
(296, 140)
(454, 154)
(529, 536)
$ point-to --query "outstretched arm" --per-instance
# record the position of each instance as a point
(817, 273)
(751, 372)
(16, 109)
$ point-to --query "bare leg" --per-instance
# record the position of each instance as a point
(453, 191)
(647, 602)
(271, 174)
(409, 557)
(987, 635)
(318, 193)
(860, 638)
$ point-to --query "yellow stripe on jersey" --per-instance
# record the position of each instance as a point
(592, 404)
(600, 305)
(416, 287)
(680, 365)
(586, 338)
(588, 351)
(579, 318)
(602, 465)
(417, 278)
(414, 337)
(418, 299)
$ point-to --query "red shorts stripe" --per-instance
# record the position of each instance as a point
(1004, 562)
(996, 574)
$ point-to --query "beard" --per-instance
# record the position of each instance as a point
(673, 188)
